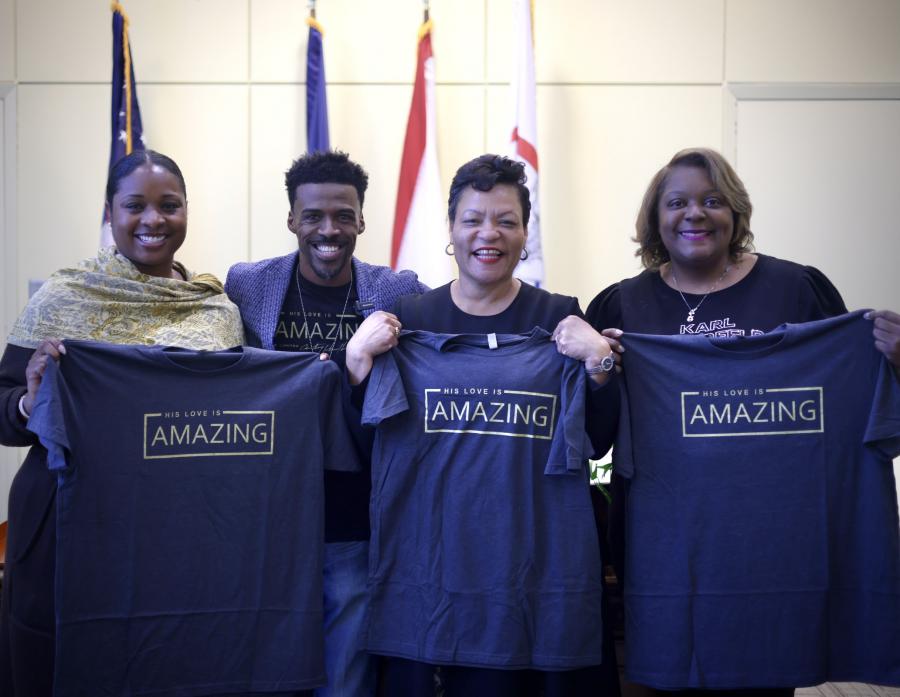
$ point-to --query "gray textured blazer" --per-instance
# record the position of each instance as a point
(258, 289)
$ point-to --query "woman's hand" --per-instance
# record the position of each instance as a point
(34, 372)
(577, 339)
(378, 333)
(886, 329)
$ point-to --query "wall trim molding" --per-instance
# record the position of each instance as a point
(795, 91)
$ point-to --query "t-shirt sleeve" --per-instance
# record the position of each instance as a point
(819, 299)
(48, 421)
(385, 396)
(883, 430)
(570, 447)
(623, 453)
(337, 441)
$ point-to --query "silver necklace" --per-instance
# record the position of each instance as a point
(306, 322)
(693, 310)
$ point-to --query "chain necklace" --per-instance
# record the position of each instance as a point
(306, 321)
(693, 310)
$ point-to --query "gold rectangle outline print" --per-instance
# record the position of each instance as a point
(552, 398)
(821, 429)
(270, 451)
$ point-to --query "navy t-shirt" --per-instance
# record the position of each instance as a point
(331, 321)
(484, 550)
(762, 514)
(189, 553)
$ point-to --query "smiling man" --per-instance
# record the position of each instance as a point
(315, 299)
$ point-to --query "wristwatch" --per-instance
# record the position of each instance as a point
(606, 364)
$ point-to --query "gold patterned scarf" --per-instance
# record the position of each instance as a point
(108, 299)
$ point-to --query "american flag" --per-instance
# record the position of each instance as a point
(127, 131)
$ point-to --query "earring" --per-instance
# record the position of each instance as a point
(448, 250)
(524, 254)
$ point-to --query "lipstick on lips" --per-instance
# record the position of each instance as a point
(487, 255)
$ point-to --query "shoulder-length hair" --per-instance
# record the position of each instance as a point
(726, 181)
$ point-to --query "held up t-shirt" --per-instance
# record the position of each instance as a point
(484, 550)
(189, 532)
(762, 518)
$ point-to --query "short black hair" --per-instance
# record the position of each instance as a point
(484, 173)
(325, 167)
(138, 158)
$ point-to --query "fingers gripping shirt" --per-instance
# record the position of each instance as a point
(484, 550)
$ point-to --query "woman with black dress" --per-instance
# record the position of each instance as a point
(489, 209)
(701, 277)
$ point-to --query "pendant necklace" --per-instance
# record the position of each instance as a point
(693, 310)
(306, 322)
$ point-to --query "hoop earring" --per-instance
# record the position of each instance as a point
(524, 254)
(448, 250)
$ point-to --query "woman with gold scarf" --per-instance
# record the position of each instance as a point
(133, 293)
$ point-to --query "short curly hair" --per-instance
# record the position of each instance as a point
(483, 174)
(650, 246)
(325, 167)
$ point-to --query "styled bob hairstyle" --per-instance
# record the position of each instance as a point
(650, 247)
(483, 174)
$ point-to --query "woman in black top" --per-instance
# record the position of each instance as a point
(701, 277)
(489, 209)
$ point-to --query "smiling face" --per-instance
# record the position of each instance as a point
(326, 218)
(696, 225)
(148, 215)
(488, 235)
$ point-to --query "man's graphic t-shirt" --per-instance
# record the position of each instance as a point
(331, 320)
(762, 515)
(189, 530)
(484, 550)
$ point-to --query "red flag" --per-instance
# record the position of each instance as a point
(420, 230)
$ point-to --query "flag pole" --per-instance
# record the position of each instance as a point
(312, 8)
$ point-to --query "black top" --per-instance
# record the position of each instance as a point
(774, 292)
(532, 307)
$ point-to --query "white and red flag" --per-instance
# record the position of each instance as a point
(420, 227)
(523, 142)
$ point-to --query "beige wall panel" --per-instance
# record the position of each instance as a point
(63, 154)
(188, 41)
(598, 149)
(833, 201)
(7, 41)
(461, 131)
(277, 137)
(64, 41)
(365, 42)
(204, 129)
(278, 40)
(608, 41)
(813, 41)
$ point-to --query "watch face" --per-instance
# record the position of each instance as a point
(608, 363)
